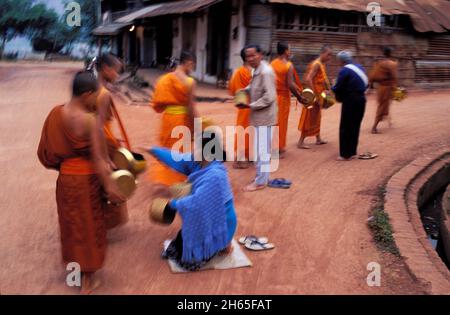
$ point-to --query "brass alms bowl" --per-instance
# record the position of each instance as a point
(131, 161)
(328, 99)
(308, 97)
(399, 94)
(241, 98)
(158, 212)
(125, 181)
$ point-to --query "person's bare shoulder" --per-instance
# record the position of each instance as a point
(104, 101)
(79, 122)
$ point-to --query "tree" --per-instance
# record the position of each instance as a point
(14, 20)
(89, 19)
(23, 17)
(48, 32)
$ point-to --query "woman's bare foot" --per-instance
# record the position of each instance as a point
(341, 158)
(88, 283)
(375, 131)
(302, 145)
(253, 187)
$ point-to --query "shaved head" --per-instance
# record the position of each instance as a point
(107, 60)
(84, 82)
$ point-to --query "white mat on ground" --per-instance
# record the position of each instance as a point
(236, 259)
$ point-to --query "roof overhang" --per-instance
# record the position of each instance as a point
(109, 29)
(168, 8)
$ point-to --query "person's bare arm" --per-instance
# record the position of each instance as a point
(103, 113)
(292, 85)
(395, 74)
(102, 166)
(192, 112)
(311, 74)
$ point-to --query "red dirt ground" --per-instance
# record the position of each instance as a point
(319, 226)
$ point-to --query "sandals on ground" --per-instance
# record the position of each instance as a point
(257, 246)
(280, 183)
(367, 156)
(250, 238)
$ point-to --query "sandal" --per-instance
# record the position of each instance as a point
(257, 246)
(278, 183)
(286, 181)
(367, 156)
(251, 238)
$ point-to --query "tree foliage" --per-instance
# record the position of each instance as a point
(47, 31)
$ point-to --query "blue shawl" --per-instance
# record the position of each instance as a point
(205, 230)
(204, 213)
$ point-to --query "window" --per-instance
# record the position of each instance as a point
(289, 17)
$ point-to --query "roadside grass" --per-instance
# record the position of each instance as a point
(380, 226)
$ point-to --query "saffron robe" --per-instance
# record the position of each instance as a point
(310, 119)
(281, 70)
(78, 193)
(171, 98)
(384, 73)
(241, 79)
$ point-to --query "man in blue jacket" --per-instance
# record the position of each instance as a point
(350, 88)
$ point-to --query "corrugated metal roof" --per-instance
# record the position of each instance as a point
(430, 15)
(426, 15)
(388, 7)
(175, 7)
(109, 29)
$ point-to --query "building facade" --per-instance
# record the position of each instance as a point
(149, 33)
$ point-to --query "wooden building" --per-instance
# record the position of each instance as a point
(147, 33)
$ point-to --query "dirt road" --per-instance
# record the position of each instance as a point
(319, 226)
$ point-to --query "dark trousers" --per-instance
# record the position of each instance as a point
(352, 113)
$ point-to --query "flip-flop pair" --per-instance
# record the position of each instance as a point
(280, 183)
(255, 243)
(367, 156)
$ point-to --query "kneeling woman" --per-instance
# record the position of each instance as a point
(208, 214)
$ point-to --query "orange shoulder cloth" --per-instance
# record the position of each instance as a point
(170, 90)
(241, 79)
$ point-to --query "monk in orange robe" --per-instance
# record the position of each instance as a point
(174, 98)
(285, 83)
(68, 144)
(108, 68)
(317, 80)
(385, 74)
(240, 80)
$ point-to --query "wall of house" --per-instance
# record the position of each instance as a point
(258, 22)
(125, 47)
(424, 60)
(365, 46)
(202, 36)
(140, 38)
(177, 42)
(236, 44)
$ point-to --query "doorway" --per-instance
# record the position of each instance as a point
(218, 44)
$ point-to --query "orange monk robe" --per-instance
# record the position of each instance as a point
(281, 70)
(309, 123)
(78, 193)
(384, 73)
(170, 91)
(241, 79)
